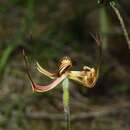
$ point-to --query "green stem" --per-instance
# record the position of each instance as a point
(121, 22)
(104, 26)
(66, 102)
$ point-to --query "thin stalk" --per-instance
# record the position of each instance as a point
(65, 85)
(104, 26)
(117, 12)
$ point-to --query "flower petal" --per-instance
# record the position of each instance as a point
(44, 88)
(45, 72)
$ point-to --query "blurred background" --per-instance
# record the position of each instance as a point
(48, 30)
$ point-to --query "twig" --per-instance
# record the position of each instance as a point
(117, 12)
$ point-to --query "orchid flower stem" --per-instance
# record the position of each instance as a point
(117, 12)
(65, 84)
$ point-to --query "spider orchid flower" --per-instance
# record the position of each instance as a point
(87, 76)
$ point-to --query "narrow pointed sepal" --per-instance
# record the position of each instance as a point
(45, 88)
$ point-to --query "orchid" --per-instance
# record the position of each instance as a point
(87, 76)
